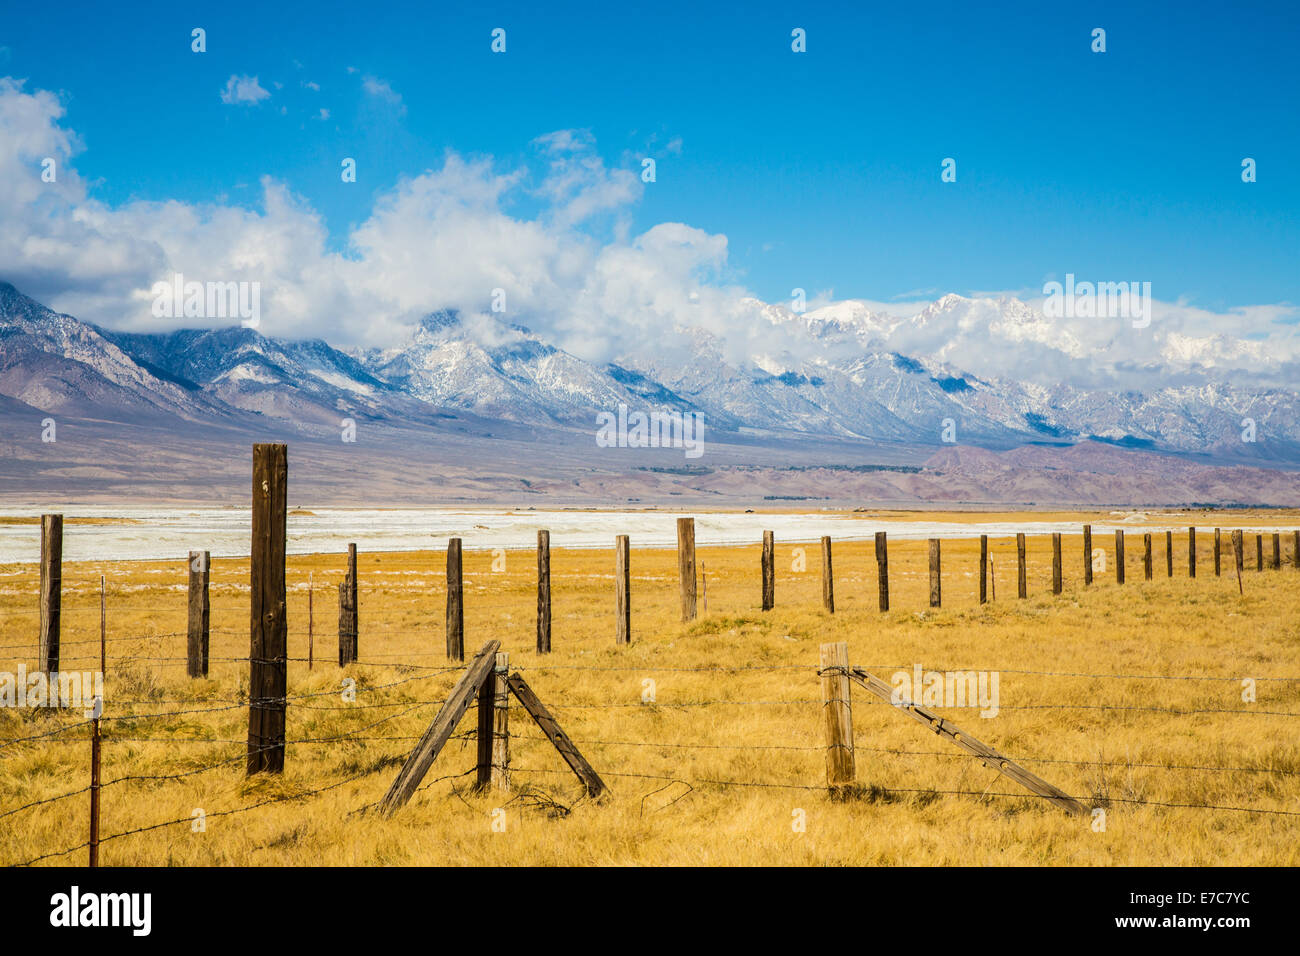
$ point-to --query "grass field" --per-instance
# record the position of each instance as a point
(1130, 698)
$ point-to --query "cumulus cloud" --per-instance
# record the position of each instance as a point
(244, 91)
(573, 271)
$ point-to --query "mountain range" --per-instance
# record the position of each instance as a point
(822, 396)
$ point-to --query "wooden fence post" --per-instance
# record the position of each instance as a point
(882, 567)
(1191, 552)
(347, 619)
(200, 614)
(840, 771)
(1276, 564)
(1146, 556)
(1119, 556)
(1169, 554)
(828, 577)
(769, 571)
(686, 566)
(455, 602)
(1087, 554)
(1022, 586)
(984, 568)
(622, 590)
(1238, 553)
(494, 727)
(311, 619)
(1259, 552)
(268, 638)
(1218, 558)
(51, 591)
(354, 630)
(1295, 549)
(936, 594)
(1056, 562)
(543, 592)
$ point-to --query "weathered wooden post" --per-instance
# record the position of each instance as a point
(354, 630)
(936, 595)
(51, 591)
(1218, 558)
(1119, 556)
(1191, 552)
(347, 623)
(769, 571)
(1056, 562)
(493, 767)
(622, 590)
(984, 568)
(543, 592)
(828, 577)
(1295, 549)
(455, 602)
(1238, 552)
(1276, 564)
(1022, 586)
(1259, 552)
(269, 625)
(1087, 554)
(1169, 554)
(686, 566)
(1146, 556)
(840, 772)
(199, 618)
(882, 567)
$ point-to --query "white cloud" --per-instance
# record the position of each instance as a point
(381, 89)
(243, 90)
(572, 270)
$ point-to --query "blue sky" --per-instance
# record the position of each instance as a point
(822, 169)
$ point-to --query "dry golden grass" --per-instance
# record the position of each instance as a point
(714, 771)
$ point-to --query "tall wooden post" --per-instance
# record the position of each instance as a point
(769, 571)
(1259, 552)
(1056, 562)
(1022, 586)
(354, 630)
(268, 619)
(686, 566)
(1146, 556)
(1276, 564)
(882, 567)
(840, 772)
(347, 621)
(1087, 554)
(1218, 558)
(493, 767)
(622, 590)
(984, 569)
(1238, 550)
(95, 736)
(1119, 556)
(1169, 554)
(51, 591)
(311, 619)
(1295, 549)
(455, 602)
(200, 614)
(936, 594)
(828, 577)
(1191, 552)
(543, 592)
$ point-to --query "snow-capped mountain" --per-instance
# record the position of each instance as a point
(842, 372)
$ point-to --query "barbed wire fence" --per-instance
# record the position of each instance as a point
(609, 750)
